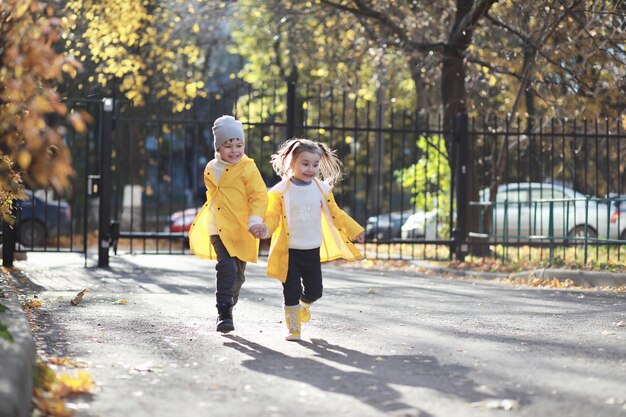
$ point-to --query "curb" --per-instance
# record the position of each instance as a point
(17, 358)
(581, 278)
(588, 279)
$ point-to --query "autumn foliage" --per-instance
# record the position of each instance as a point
(140, 49)
(31, 150)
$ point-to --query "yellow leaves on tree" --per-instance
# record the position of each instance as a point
(32, 150)
(139, 48)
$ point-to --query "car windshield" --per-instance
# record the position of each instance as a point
(43, 195)
(521, 192)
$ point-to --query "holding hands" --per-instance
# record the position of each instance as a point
(258, 230)
(360, 237)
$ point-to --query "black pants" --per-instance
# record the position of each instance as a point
(304, 277)
(229, 275)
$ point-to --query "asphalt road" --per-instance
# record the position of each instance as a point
(379, 344)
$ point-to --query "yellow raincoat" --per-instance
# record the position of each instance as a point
(338, 230)
(239, 194)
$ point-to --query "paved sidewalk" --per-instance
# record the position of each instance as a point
(17, 357)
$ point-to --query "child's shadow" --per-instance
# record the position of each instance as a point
(370, 377)
(410, 370)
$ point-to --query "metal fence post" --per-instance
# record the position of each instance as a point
(551, 230)
(291, 107)
(462, 151)
(9, 237)
(104, 218)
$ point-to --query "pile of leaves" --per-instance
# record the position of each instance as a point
(52, 389)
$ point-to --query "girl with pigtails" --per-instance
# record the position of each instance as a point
(306, 225)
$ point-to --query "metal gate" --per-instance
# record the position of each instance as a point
(157, 159)
(47, 221)
(139, 169)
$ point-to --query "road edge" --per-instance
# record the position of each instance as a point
(17, 358)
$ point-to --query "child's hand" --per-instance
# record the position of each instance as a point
(258, 230)
(360, 238)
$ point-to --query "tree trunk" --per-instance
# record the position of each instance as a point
(453, 95)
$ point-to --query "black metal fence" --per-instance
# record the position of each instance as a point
(569, 175)
(139, 170)
(158, 159)
(47, 221)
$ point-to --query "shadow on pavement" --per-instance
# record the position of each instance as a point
(371, 375)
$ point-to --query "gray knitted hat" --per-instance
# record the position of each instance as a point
(225, 128)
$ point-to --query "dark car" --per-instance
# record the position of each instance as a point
(40, 216)
(385, 226)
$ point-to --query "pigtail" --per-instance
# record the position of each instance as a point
(330, 165)
(281, 160)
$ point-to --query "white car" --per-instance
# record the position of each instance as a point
(522, 213)
(421, 225)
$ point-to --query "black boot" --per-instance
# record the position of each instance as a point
(224, 318)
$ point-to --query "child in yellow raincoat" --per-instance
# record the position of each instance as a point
(229, 224)
(306, 225)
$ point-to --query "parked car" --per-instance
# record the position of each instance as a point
(422, 225)
(618, 215)
(180, 221)
(385, 226)
(522, 211)
(41, 216)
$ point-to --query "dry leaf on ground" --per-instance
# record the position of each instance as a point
(79, 297)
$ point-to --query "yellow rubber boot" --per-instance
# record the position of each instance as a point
(292, 320)
(305, 311)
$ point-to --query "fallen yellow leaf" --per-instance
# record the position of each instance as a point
(34, 303)
(51, 406)
(65, 361)
(76, 384)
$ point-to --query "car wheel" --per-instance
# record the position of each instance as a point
(623, 235)
(31, 233)
(578, 232)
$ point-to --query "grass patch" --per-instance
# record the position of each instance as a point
(506, 259)
(514, 259)
(5, 334)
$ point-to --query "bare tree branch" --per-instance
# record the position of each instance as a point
(385, 22)
(468, 22)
